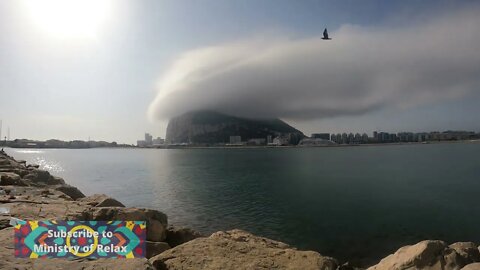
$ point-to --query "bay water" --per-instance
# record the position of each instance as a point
(353, 203)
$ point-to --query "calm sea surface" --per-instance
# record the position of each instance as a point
(346, 202)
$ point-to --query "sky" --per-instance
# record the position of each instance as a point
(112, 70)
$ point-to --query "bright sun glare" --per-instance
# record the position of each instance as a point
(69, 18)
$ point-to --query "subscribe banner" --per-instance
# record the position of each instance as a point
(80, 239)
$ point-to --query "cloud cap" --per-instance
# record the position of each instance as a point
(362, 69)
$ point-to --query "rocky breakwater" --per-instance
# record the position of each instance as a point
(28, 193)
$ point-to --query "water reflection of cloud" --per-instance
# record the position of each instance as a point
(30, 151)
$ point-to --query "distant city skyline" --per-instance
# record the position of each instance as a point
(391, 65)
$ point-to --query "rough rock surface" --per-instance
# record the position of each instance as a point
(10, 178)
(468, 251)
(178, 236)
(238, 249)
(156, 221)
(71, 191)
(428, 255)
(472, 266)
(101, 200)
(155, 248)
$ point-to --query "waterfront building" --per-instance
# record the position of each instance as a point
(281, 140)
(344, 138)
(357, 138)
(315, 142)
(338, 138)
(406, 136)
(364, 138)
(351, 138)
(256, 141)
(53, 143)
(148, 139)
(158, 141)
(269, 139)
(325, 136)
(235, 139)
(383, 137)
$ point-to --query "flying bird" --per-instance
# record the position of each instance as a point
(325, 35)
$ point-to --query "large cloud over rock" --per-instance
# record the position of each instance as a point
(360, 70)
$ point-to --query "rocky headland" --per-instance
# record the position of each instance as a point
(29, 193)
(210, 128)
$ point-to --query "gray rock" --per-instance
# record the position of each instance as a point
(467, 250)
(55, 180)
(472, 266)
(348, 266)
(156, 221)
(38, 176)
(11, 179)
(155, 248)
(427, 255)
(71, 191)
(101, 200)
(178, 236)
(21, 172)
(4, 161)
(237, 249)
(20, 161)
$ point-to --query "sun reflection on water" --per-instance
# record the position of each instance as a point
(48, 165)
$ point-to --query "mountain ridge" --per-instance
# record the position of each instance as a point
(210, 127)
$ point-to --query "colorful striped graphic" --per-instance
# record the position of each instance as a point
(80, 239)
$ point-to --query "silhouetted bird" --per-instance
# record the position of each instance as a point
(325, 35)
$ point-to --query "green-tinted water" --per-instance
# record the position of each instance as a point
(347, 202)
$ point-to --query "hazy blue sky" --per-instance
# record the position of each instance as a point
(112, 70)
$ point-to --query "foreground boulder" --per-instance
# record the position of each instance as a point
(468, 251)
(37, 175)
(473, 266)
(427, 255)
(178, 236)
(155, 248)
(101, 200)
(156, 221)
(9, 178)
(238, 249)
(71, 191)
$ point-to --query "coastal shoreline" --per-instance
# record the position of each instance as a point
(256, 146)
(312, 146)
(32, 193)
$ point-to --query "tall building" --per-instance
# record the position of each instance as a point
(358, 138)
(364, 138)
(148, 139)
(338, 138)
(344, 138)
(351, 138)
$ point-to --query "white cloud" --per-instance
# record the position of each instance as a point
(360, 70)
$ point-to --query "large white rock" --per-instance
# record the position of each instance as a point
(238, 249)
(425, 255)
